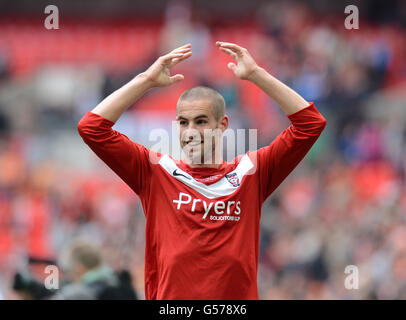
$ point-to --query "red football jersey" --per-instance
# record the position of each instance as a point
(202, 225)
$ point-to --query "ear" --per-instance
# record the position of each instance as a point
(223, 123)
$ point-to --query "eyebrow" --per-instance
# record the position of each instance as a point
(195, 118)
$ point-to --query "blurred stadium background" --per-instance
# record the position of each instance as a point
(344, 205)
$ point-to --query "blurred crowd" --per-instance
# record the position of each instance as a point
(344, 205)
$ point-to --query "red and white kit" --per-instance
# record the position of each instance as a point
(202, 225)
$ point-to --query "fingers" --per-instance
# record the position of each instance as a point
(177, 55)
(175, 61)
(176, 78)
(168, 57)
(231, 46)
(231, 53)
(186, 47)
(181, 51)
(232, 67)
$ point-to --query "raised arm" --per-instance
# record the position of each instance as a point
(276, 161)
(128, 159)
(247, 69)
(157, 75)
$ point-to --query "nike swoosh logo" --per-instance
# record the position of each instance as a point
(179, 174)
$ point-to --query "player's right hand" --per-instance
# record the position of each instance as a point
(159, 73)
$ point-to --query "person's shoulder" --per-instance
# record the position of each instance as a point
(247, 160)
(75, 291)
(153, 156)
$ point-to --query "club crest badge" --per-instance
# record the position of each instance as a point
(233, 179)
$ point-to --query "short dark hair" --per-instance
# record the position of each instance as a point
(85, 253)
(205, 93)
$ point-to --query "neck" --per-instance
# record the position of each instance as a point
(204, 165)
(212, 164)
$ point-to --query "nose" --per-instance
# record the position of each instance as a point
(190, 134)
(191, 125)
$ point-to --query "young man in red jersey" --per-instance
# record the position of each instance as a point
(202, 217)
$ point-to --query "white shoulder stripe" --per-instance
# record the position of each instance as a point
(219, 189)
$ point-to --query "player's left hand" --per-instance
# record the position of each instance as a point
(246, 65)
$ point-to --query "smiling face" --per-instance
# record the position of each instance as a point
(200, 132)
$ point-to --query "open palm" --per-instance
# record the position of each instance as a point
(245, 66)
(159, 73)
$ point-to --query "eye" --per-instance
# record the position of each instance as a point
(182, 122)
(201, 121)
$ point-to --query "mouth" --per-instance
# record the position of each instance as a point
(192, 143)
